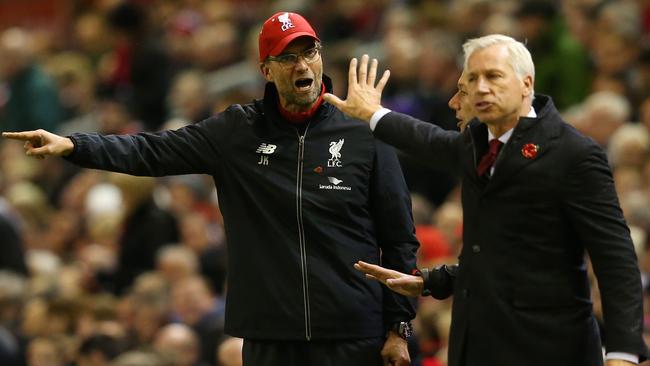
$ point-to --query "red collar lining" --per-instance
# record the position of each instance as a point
(302, 117)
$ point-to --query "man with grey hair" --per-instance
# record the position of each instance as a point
(536, 196)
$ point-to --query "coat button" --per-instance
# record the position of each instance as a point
(464, 293)
(476, 248)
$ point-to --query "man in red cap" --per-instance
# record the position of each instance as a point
(305, 191)
(284, 38)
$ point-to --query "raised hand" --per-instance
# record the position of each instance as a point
(399, 282)
(40, 143)
(364, 97)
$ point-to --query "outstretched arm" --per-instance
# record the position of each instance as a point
(40, 143)
(401, 283)
(364, 97)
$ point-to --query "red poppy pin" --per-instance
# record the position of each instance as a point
(529, 151)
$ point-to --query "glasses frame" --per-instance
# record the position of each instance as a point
(291, 59)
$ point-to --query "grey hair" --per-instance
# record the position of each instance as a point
(519, 56)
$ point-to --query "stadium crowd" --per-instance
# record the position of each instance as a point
(102, 268)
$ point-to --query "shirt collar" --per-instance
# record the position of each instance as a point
(506, 136)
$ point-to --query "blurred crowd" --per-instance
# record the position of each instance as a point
(101, 268)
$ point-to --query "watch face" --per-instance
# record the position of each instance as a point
(405, 329)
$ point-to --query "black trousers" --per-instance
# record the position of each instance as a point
(347, 352)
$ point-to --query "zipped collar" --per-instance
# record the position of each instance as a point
(302, 117)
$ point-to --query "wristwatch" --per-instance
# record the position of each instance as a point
(403, 329)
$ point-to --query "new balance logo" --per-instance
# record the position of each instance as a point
(267, 149)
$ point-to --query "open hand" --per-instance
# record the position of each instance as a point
(399, 282)
(364, 97)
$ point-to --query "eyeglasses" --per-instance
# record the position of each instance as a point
(310, 55)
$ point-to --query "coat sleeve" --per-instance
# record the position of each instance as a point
(437, 147)
(390, 203)
(194, 149)
(440, 281)
(594, 212)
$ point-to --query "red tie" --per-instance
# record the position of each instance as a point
(488, 159)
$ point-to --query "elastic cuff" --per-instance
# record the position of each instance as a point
(74, 146)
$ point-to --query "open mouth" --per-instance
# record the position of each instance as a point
(304, 84)
(481, 106)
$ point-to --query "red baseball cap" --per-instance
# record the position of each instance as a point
(280, 29)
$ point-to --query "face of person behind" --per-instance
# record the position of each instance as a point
(298, 84)
(460, 104)
(495, 93)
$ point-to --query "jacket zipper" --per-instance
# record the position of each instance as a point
(301, 233)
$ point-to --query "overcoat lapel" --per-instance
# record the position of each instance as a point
(476, 145)
(511, 160)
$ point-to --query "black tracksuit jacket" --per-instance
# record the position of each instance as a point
(299, 211)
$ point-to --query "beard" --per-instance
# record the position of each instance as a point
(305, 100)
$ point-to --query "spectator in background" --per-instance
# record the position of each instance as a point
(28, 97)
(188, 99)
(433, 244)
(205, 242)
(13, 292)
(629, 147)
(114, 116)
(9, 348)
(176, 262)
(215, 45)
(562, 65)
(616, 51)
(137, 71)
(46, 351)
(229, 352)
(149, 313)
(74, 76)
(644, 113)
(146, 229)
(13, 257)
(98, 350)
(602, 114)
(141, 358)
(194, 304)
(91, 35)
(181, 344)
